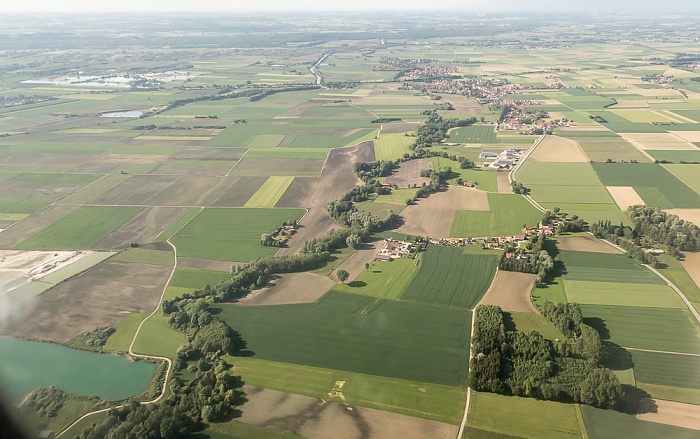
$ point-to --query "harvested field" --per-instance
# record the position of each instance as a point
(355, 264)
(585, 244)
(409, 173)
(133, 158)
(315, 223)
(142, 228)
(399, 128)
(692, 215)
(690, 136)
(290, 288)
(625, 196)
(658, 141)
(691, 264)
(318, 419)
(337, 177)
(102, 296)
(503, 181)
(169, 190)
(669, 413)
(433, 216)
(511, 291)
(278, 166)
(206, 264)
(32, 224)
(557, 149)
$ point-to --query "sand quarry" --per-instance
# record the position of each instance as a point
(19, 267)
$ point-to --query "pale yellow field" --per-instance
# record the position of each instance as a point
(624, 196)
(658, 141)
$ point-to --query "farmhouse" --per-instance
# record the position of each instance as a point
(392, 249)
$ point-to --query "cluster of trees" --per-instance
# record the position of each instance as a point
(530, 257)
(386, 120)
(94, 338)
(435, 129)
(597, 118)
(665, 228)
(366, 171)
(518, 188)
(566, 225)
(629, 239)
(45, 401)
(515, 363)
(279, 236)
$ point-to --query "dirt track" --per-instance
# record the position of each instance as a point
(625, 196)
(511, 291)
(558, 149)
(142, 228)
(101, 296)
(318, 419)
(669, 413)
(433, 216)
(585, 244)
(290, 288)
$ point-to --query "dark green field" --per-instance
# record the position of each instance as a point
(656, 186)
(676, 156)
(609, 424)
(602, 267)
(359, 334)
(473, 134)
(667, 369)
(447, 276)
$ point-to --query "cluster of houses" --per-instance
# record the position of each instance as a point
(393, 249)
(504, 160)
(659, 79)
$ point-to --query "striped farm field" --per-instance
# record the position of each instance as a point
(270, 192)
(611, 424)
(688, 174)
(173, 138)
(622, 294)
(473, 134)
(231, 234)
(508, 213)
(557, 174)
(80, 229)
(448, 276)
(287, 153)
(392, 146)
(589, 266)
(667, 369)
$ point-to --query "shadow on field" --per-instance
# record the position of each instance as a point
(508, 321)
(357, 283)
(599, 325)
(617, 357)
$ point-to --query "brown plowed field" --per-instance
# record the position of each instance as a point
(141, 228)
(625, 196)
(101, 296)
(248, 166)
(171, 190)
(208, 168)
(503, 181)
(318, 419)
(409, 173)
(315, 223)
(32, 224)
(398, 128)
(558, 149)
(669, 413)
(290, 288)
(691, 263)
(692, 215)
(214, 154)
(585, 244)
(511, 291)
(433, 216)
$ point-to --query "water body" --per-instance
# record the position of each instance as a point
(26, 365)
(130, 113)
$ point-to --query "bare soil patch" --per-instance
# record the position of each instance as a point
(691, 263)
(355, 264)
(337, 177)
(585, 244)
(290, 288)
(511, 291)
(206, 264)
(669, 413)
(318, 419)
(624, 196)
(182, 190)
(133, 158)
(398, 128)
(101, 296)
(658, 142)
(558, 149)
(503, 181)
(433, 216)
(32, 224)
(692, 215)
(141, 228)
(690, 136)
(317, 222)
(408, 173)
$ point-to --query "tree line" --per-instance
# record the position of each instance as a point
(529, 257)
(529, 365)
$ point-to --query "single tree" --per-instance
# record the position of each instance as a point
(342, 275)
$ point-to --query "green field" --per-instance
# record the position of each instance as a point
(360, 334)
(80, 229)
(392, 146)
(124, 332)
(473, 134)
(158, 338)
(270, 192)
(621, 125)
(448, 276)
(581, 195)
(523, 417)
(178, 223)
(197, 278)
(656, 186)
(688, 174)
(603, 267)
(486, 180)
(507, 215)
(265, 141)
(557, 174)
(667, 369)
(676, 157)
(609, 424)
(622, 294)
(645, 328)
(422, 399)
(386, 280)
(527, 322)
(231, 234)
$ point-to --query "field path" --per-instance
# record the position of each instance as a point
(523, 159)
(136, 334)
(663, 352)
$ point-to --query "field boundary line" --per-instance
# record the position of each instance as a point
(237, 162)
(677, 290)
(523, 159)
(639, 148)
(663, 352)
(138, 330)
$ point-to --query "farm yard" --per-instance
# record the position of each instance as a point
(242, 139)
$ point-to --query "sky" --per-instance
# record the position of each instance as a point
(594, 6)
